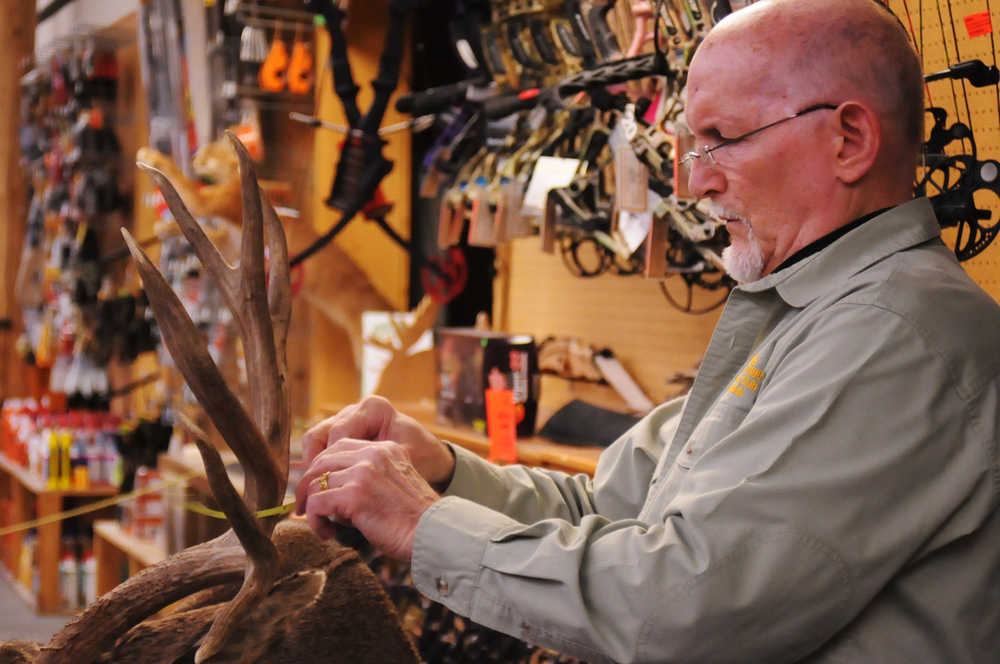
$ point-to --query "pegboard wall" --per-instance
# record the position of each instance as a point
(630, 315)
(944, 34)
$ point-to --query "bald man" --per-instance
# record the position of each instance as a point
(828, 490)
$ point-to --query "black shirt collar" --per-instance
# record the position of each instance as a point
(828, 239)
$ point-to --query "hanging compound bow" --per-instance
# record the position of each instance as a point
(362, 165)
(956, 183)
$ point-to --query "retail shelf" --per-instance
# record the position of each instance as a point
(113, 547)
(29, 499)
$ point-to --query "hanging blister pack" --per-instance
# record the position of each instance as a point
(482, 224)
(631, 175)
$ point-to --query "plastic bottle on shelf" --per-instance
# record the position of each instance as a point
(114, 469)
(69, 584)
(25, 421)
(79, 470)
(65, 458)
(10, 406)
(149, 507)
(100, 466)
(33, 431)
(26, 563)
(88, 577)
(52, 457)
(92, 450)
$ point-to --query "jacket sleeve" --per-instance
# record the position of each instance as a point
(530, 494)
(777, 536)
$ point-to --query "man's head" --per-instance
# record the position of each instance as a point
(842, 87)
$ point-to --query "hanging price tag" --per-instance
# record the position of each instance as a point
(515, 224)
(978, 24)
(482, 224)
(631, 180)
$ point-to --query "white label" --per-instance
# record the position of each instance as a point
(549, 173)
(634, 227)
(466, 53)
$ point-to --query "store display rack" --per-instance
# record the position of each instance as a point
(28, 497)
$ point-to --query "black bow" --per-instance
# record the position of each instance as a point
(362, 165)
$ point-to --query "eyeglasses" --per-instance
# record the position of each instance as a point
(688, 158)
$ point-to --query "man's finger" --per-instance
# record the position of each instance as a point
(326, 507)
(369, 419)
(324, 466)
(343, 455)
(316, 438)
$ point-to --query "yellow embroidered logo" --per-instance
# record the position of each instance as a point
(749, 378)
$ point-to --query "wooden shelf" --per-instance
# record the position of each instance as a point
(113, 547)
(532, 451)
(37, 484)
(31, 499)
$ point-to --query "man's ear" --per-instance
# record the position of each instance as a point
(858, 140)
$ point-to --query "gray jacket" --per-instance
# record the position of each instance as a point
(826, 493)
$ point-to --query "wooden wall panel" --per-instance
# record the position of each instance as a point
(629, 315)
(939, 31)
(17, 34)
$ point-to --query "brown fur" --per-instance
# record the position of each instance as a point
(348, 619)
(18, 652)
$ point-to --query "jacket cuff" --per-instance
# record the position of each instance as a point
(448, 549)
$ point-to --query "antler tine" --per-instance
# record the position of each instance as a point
(279, 288)
(268, 388)
(263, 571)
(279, 297)
(264, 484)
(207, 252)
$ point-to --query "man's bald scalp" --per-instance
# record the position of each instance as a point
(834, 50)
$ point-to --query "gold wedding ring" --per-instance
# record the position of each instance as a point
(323, 483)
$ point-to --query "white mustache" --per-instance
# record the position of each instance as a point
(729, 215)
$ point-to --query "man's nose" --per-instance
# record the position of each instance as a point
(705, 178)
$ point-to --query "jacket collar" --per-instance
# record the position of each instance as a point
(898, 228)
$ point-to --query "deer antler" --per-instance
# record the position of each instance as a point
(300, 597)
(262, 313)
(262, 320)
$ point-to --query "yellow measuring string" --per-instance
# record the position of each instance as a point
(94, 506)
(115, 500)
(216, 514)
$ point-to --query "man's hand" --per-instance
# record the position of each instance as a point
(374, 419)
(372, 486)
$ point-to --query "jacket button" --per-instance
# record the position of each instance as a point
(442, 586)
